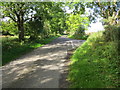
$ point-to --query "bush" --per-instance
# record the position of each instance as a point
(80, 32)
(111, 33)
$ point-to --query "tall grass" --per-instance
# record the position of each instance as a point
(95, 64)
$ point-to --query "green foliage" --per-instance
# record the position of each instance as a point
(10, 27)
(104, 9)
(18, 12)
(58, 19)
(84, 37)
(77, 7)
(42, 19)
(39, 20)
(34, 28)
(95, 64)
(36, 20)
(80, 32)
(77, 23)
(111, 33)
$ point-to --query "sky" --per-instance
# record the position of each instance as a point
(95, 27)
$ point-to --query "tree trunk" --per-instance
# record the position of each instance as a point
(21, 31)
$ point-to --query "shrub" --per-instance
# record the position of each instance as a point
(80, 32)
(111, 33)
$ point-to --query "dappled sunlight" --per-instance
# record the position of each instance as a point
(50, 67)
(43, 65)
(21, 64)
(34, 57)
(48, 46)
(45, 80)
(40, 41)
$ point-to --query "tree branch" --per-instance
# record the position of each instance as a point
(12, 18)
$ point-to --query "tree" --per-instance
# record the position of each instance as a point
(51, 19)
(107, 10)
(19, 13)
(75, 22)
(58, 18)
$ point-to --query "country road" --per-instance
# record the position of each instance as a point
(40, 68)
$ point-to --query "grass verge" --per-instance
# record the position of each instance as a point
(95, 64)
(79, 38)
(12, 49)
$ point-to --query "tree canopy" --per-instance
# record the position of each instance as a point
(41, 19)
